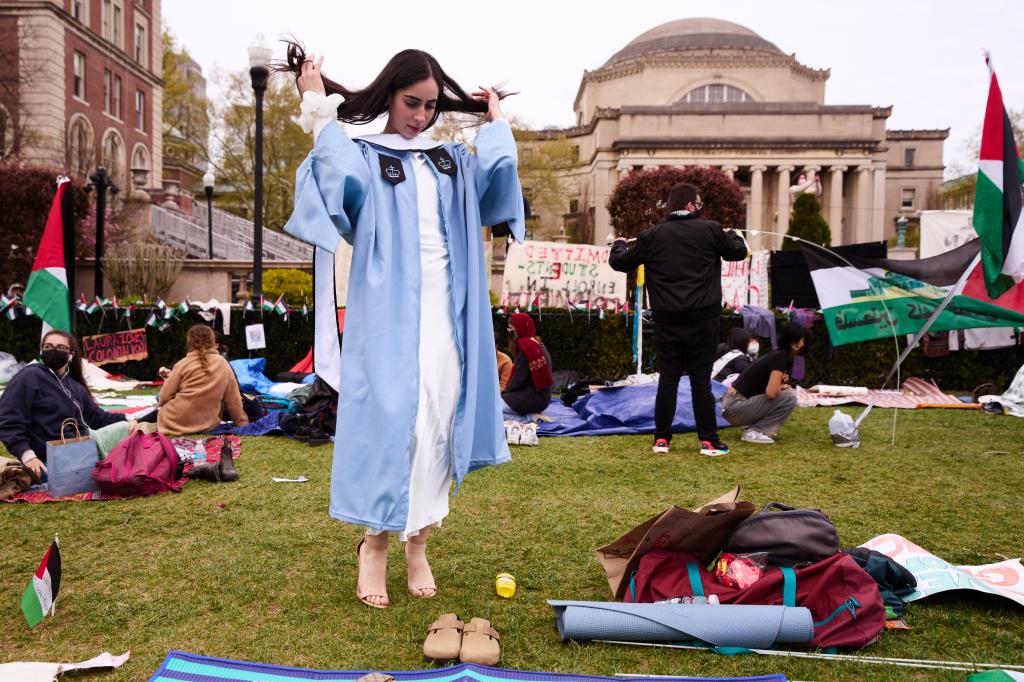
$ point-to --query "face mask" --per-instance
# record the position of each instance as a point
(753, 348)
(54, 359)
(697, 213)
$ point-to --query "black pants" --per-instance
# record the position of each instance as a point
(685, 346)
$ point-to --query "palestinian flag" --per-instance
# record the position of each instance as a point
(184, 305)
(39, 597)
(47, 289)
(868, 298)
(279, 305)
(997, 197)
(997, 676)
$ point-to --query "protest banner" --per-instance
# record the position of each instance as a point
(116, 347)
(745, 282)
(559, 275)
(934, 575)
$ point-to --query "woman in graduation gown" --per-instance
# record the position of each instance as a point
(419, 406)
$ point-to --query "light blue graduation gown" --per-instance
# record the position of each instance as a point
(341, 190)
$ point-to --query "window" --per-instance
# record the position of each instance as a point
(907, 197)
(716, 93)
(574, 206)
(140, 44)
(79, 75)
(105, 19)
(908, 156)
(118, 27)
(115, 99)
(77, 10)
(80, 154)
(113, 157)
(106, 91)
(140, 110)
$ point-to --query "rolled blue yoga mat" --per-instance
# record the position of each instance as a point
(732, 625)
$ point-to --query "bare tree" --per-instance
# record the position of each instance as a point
(19, 71)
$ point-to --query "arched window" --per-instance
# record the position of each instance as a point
(81, 152)
(140, 163)
(716, 93)
(113, 157)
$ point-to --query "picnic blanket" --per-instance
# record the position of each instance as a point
(916, 393)
(212, 444)
(621, 410)
(184, 666)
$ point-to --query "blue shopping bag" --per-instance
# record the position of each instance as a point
(70, 462)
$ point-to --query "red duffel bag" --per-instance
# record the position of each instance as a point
(844, 600)
(141, 464)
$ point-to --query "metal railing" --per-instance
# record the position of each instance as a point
(276, 246)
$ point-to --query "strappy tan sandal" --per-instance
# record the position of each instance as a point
(444, 638)
(420, 591)
(480, 643)
(365, 598)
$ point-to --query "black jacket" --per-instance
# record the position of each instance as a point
(35, 403)
(519, 393)
(682, 259)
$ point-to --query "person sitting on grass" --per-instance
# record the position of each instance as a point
(198, 387)
(737, 353)
(529, 388)
(761, 399)
(43, 394)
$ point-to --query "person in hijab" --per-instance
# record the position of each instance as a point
(418, 305)
(529, 389)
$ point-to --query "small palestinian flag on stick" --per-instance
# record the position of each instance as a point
(38, 600)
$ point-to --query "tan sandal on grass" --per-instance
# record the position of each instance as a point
(444, 638)
(480, 643)
(376, 601)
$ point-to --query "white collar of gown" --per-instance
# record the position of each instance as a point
(398, 143)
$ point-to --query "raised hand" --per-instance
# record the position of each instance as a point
(486, 94)
(309, 80)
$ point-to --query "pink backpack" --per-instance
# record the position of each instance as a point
(141, 464)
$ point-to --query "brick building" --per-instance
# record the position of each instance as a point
(80, 86)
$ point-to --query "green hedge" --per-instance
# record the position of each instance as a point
(593, 347)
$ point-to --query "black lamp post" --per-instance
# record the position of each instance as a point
(101, 182)
(259, 56)
(208, 186)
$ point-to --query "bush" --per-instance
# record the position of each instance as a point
(295, 285)
(639, 200)
(807, 223)
(26, 193)
(142, 268)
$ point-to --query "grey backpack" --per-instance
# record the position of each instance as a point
(789, 536)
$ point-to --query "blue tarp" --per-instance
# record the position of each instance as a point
(250, 375)
(621, 410)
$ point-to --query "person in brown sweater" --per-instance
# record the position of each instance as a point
(199, 386)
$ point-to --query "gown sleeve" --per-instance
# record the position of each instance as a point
(497, 178)
(332, 183)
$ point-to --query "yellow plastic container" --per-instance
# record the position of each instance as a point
(505, 585)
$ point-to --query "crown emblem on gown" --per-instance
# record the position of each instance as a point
(393, 172)
(444, 164)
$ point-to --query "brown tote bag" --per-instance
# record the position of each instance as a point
(701, 532)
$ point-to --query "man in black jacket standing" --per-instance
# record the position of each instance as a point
(682, 259)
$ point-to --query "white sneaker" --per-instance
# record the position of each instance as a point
(755, 436)
(528, 435)
(513, 432)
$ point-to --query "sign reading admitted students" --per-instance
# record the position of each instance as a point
(557, 275)
(116, 347)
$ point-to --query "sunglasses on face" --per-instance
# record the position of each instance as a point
(60, 347)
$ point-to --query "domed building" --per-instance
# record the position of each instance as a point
(714, 93)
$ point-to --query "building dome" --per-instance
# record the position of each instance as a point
(693, 34)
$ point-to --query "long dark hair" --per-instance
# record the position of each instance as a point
(75, 368)
(404, 69)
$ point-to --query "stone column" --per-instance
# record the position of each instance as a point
(730, 171)
(755, 207)
(863, 205)
(878, 204)
(782, 225)
(835, 205)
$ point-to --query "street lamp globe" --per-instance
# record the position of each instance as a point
(260, 52)
(208, 178)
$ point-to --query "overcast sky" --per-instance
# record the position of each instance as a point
(922, 57)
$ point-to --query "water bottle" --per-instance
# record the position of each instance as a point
(198, 453)
(843, 430)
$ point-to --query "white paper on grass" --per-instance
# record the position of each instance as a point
(300, 479)
(255, 338)
(48, 672)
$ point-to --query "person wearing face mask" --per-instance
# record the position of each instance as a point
(682, 259)
(761, 399)
(45, 393)
(735, 355)
(529, 388)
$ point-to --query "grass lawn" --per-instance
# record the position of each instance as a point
(257, 571)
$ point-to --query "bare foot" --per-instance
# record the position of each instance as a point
(421, 580)
(371, 588)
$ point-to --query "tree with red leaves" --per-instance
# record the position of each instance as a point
(639, 199)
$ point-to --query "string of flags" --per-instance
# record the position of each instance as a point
(592, 310)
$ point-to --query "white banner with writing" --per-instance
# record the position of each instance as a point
(745, 282)
(557, 275)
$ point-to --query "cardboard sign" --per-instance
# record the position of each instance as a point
(255, 338)
(557, 275)
(745, 282)
(117, 347)
(934, 575)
